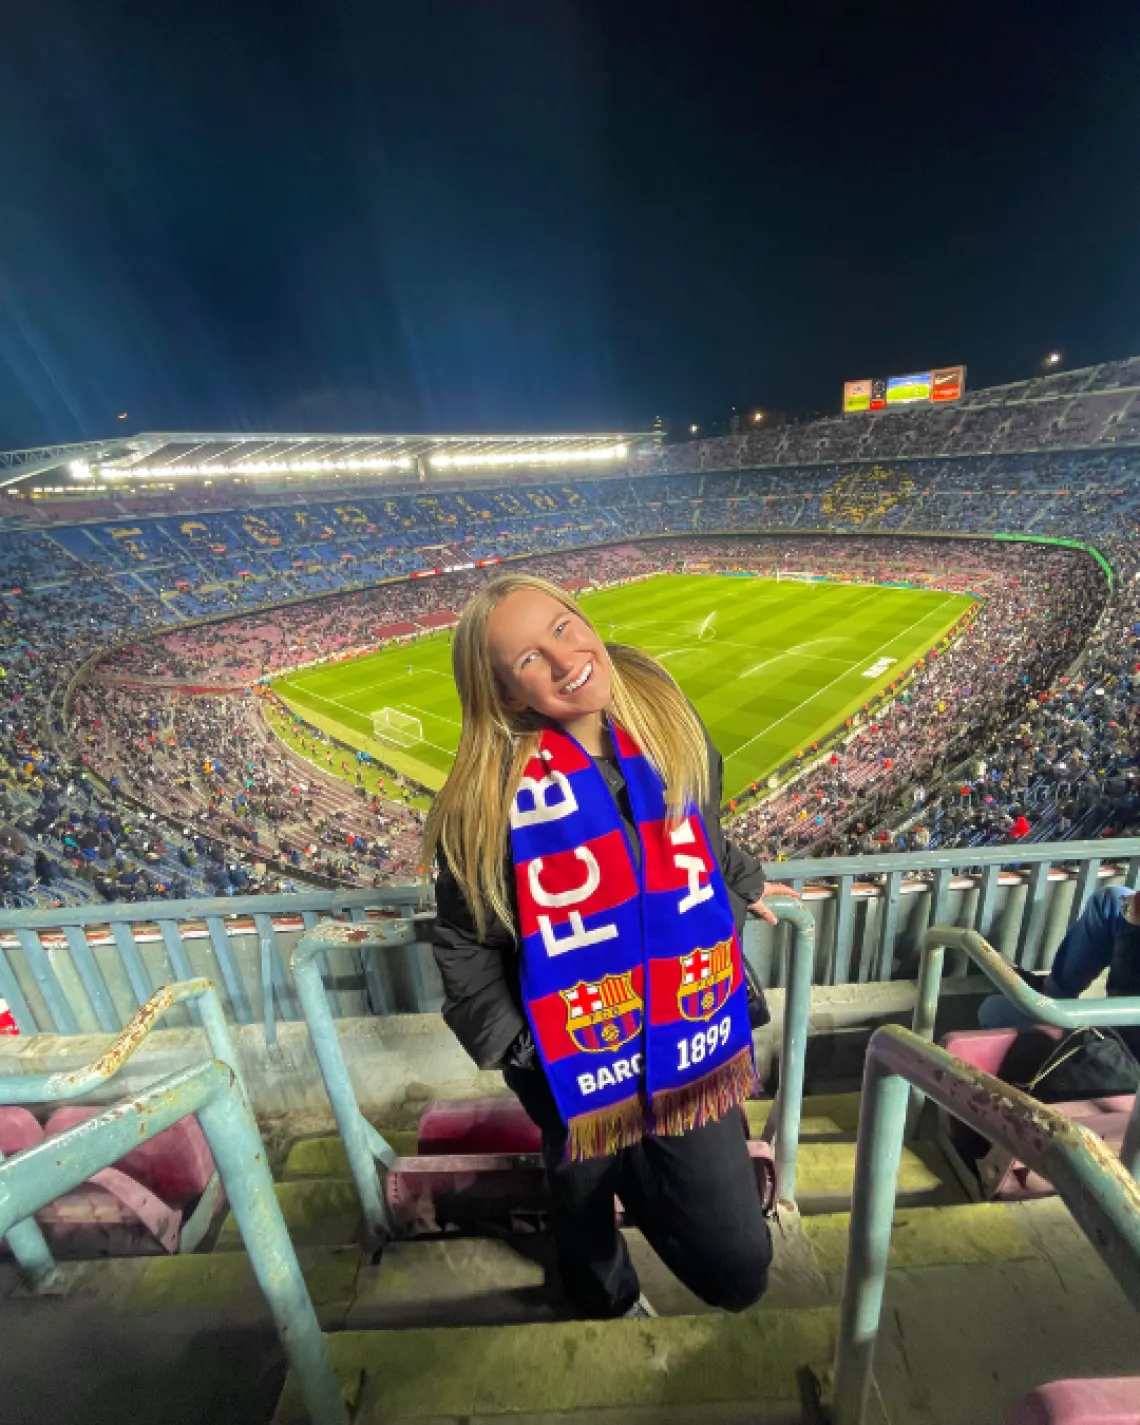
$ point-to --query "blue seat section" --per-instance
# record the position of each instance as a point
(134, 566)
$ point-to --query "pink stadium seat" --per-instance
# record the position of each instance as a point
(1080, 1402)
(482, 1125)
(176, 1164)
(998, 1175)
(18, 1129)
(479, 1161)
(149, 1188)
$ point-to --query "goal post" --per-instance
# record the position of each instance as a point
(795, 576)
(399, 728)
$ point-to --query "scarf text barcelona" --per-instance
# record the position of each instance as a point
(632, 976)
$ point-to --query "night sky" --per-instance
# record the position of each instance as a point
(509, 215)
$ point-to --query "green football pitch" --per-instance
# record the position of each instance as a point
(771, 666)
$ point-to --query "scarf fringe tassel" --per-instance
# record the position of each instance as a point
(676, 1111)
(600, 1134)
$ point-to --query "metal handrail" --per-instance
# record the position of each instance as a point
(78, 978)
(68, 985)
(212, 1092)
(1042, 1009)
(52, 1088)
(793, 1044)
(365, 1147)
(28, 1244)
(1103, 1199)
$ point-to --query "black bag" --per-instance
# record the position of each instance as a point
(1088, 1063)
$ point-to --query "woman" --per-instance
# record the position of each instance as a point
(588, 919)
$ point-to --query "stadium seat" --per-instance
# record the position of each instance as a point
(136, 1208)
(176, 1164)
(479, 1164)
(483, 1125)
(992, 1173)
(1080, 1402)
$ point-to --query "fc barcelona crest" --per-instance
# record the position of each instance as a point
(706, 979)
(603, 1016)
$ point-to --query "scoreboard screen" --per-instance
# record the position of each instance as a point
(948, 384)
(905, 390)
(857, 395)
(922, 388)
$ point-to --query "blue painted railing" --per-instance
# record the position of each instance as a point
(25, 1238)
(1103, 1199)
(87, 969)
(365, 1147)
(212, 1092)
(1041, 1009)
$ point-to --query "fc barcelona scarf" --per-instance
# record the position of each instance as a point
(631, 975)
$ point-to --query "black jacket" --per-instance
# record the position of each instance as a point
(482, 999)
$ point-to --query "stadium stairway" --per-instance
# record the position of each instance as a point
(984, 1302)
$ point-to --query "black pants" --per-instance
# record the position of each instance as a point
(694, 1198)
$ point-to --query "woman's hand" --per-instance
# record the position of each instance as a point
(772, 888)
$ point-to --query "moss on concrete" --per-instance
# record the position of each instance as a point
(927, 1237)
(827, 1174)
(226, 1279)
(326, 1157)
(319, 1212)
(577, 1365)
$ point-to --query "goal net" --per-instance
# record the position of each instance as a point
(399, 728)
(795, 576)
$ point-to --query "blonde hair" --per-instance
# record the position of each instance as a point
(469, 819)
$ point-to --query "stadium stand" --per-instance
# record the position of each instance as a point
(297, 578)
(144, 758)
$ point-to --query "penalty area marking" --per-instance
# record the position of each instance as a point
(838, 678)
(344, 707)
(423, 712)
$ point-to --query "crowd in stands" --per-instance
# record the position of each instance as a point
(214, 767)
(1097, 406)
(1040, 605)
(116, 799)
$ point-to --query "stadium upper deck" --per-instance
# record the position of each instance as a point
(163, 458)
(1096, 407)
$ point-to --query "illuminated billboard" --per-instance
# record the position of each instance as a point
(943, 383)
(857, 395)
(905, 390)
(948, 384)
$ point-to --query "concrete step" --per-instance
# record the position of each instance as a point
(824, 1116)
(324, 1157)
(838, 1111)
(953, 1236)
(685, 1367)
(319, 1212)
(321, 1209)
(324, 1210)
(513, 1280)
(482, 1281)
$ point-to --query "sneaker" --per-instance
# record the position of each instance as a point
(640, 1310)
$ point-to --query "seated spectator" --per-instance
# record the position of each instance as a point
(1106, 936)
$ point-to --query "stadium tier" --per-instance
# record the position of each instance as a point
(167, 733)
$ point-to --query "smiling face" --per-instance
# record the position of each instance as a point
(547, 658)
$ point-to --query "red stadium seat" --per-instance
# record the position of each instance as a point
(1080, 1402)
(996, 1174)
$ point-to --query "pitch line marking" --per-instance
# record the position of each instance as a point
(762, 648)
(423, 712)
(344, 707)
(838, 678)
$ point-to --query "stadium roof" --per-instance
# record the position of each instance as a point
(167, 454)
